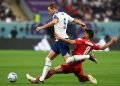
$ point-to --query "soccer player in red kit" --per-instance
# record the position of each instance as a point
(83, 47)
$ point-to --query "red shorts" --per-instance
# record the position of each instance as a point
(75, 68)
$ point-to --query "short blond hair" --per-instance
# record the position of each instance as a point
(53, 6)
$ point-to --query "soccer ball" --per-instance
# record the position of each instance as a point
(12, 77)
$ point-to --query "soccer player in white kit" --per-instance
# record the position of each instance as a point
(60, 21)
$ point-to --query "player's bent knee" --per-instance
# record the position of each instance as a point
(69, 60)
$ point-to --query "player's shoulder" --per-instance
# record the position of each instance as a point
(90, 43)
(55, 15)
(82, 39)
(79, 39)
(61, 13)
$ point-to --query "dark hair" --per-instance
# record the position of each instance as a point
(53, 6)
(90, 33)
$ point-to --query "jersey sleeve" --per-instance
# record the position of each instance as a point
(55, 16)
(70, 19)
(96, 47)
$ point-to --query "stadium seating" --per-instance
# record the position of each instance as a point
(93, 10)
(6, 14)
(27, 29)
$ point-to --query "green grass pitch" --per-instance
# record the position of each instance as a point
(107, 71)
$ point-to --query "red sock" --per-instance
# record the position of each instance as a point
(37, 79)
(83, 79)
(49, 75)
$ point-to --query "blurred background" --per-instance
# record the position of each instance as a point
(19, 18)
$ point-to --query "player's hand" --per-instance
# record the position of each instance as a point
(84, 26)
(39, 28)
(57, 36)
(114, 39)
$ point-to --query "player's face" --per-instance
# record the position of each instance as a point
(85, 35)
(51, 11)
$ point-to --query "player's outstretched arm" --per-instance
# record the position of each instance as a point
(113, 40)
(51, 23)
(66, 40)
(78, 21)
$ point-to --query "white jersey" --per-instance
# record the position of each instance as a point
(61, 27)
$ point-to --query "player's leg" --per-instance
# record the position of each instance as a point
(52, 71)
(79, 73)
(75, 58)
(65, 51)
(65, 68)
(56, 70)
(92, 79)
(47, 66)
(81, 77)
(52, 54)
(36, 80)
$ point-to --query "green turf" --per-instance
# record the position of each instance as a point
(107, 71)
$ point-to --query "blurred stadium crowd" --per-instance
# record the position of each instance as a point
(6, 14)
(93, 10)
(88, 10)
(97, 13)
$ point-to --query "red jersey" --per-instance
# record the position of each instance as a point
(84, 46)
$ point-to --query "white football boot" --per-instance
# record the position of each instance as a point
(30, 78)
(92, 79)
